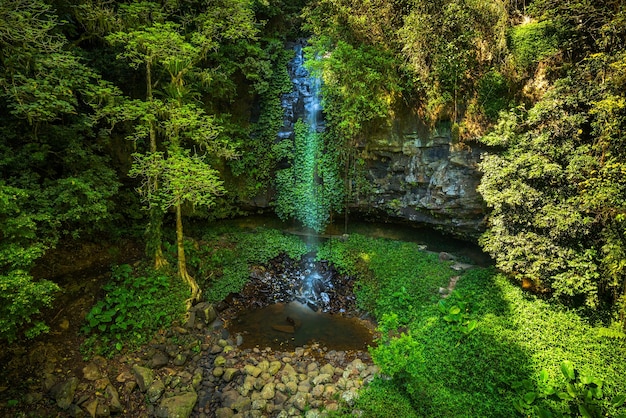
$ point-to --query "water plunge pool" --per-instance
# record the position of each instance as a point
(289, 325)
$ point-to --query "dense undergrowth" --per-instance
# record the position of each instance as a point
(137, 303)
(439, 367)
(488, 350)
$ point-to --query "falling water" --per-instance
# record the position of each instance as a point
(302, 296)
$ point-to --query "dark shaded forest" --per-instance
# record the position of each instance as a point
(128, 119)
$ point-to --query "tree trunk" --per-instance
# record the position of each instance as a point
(159, 260)
(182, 263)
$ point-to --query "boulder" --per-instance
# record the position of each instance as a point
(63, 392)
(180, 406)
(155, 391)
(144, 377)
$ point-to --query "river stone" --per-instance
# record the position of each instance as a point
(218, 371)
(180, 359)
(92, 407)
(259, 404)
(196, 380)
(268, 391)
(155, 391)
(219, 361)
(229, 374)
(312, 413)
(350, 396)
(32, 397)
(259, 383)
(317, 391)
(274, 367)
(224, 413)
(144, 376)
(63, 393)
(264, 365)
(252, 370)
(289, 370)
(292, 387)
(322, 378)
(76, 411)
(304, 387)
(179, 406)
(300, 400)
(327, 369)
(280, 398)
(242, 404)
(102, 411)
(207, 312)
(329, 392)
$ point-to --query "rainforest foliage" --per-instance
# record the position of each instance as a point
(181, 101)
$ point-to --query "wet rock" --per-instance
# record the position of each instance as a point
(114, 399)
(92, 407)
(63, 393)
(91, 371)
(159, 359)
(224, 413)
(180, 406)
(155, 391)
(144, 377)
(102, 410)
(268, 391)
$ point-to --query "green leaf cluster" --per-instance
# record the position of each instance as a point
(135, 306)
(580, 395)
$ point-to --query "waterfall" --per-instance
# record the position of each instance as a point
(304, 187)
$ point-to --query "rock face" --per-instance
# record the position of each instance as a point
(421, 175)
(415, 173)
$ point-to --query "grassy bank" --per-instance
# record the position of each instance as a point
(486, 351)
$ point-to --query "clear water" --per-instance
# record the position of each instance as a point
(286, 326)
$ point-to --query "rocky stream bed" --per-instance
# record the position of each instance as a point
(199, 368)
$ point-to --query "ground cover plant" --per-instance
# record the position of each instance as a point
(489, 350)
(137, 303)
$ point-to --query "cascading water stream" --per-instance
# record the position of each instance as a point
(296, 300)
(304, 104)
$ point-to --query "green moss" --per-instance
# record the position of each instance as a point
(532, 42)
